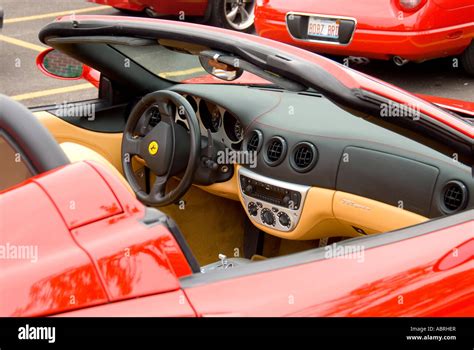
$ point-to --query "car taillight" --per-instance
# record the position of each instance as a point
(411, 5)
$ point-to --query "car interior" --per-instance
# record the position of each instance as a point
(169, 118)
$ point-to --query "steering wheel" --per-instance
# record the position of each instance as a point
(21, 127)
(167, 149)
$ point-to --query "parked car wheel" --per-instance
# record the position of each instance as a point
(238, 15)
(467, 59)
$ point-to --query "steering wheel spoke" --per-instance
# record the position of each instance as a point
(166, 111)
(159, 187)
(132, 145)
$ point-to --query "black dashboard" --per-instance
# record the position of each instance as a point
(224, 126)
(306, 139)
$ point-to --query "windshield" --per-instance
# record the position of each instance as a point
(180, 66)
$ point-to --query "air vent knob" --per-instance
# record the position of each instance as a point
(268, 217)
(284, 220)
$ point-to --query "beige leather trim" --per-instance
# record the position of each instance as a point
(372, 215)
(106, 144)
(13, 171)
(77, 153)
(228, 189)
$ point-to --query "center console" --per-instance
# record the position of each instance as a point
(272, 203)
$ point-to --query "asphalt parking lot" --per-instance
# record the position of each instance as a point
(19, 46)
(20, 79)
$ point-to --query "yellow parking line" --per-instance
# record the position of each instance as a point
(55, 14)
(44, 93)
(21, 43)
(181, 72)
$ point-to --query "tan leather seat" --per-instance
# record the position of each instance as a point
(76, 153)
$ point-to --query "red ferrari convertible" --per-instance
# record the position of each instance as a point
(232, 14)
(402, 30)
(313, 191)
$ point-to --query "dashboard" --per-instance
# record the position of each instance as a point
(312, 154)
(224, 126)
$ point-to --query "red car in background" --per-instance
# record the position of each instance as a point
(232, 14)
(402, 30)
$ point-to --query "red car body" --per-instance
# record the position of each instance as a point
(104, 258)
(85, 270)
(85, 262)
(383, 29)
(170, 7)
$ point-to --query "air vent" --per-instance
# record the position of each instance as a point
(276, 150)
(454, 197)
(255, 141)
(304, 157)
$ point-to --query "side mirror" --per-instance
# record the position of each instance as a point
(55, 64)
(220, 70)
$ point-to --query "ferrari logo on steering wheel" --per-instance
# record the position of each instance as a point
(153, 148)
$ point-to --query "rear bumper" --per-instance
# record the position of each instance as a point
(380, 44)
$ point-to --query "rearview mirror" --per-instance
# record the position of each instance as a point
(55, 64)
(220, 70)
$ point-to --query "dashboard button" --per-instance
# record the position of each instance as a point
(253, 209)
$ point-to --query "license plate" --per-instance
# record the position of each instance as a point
(323, 28)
